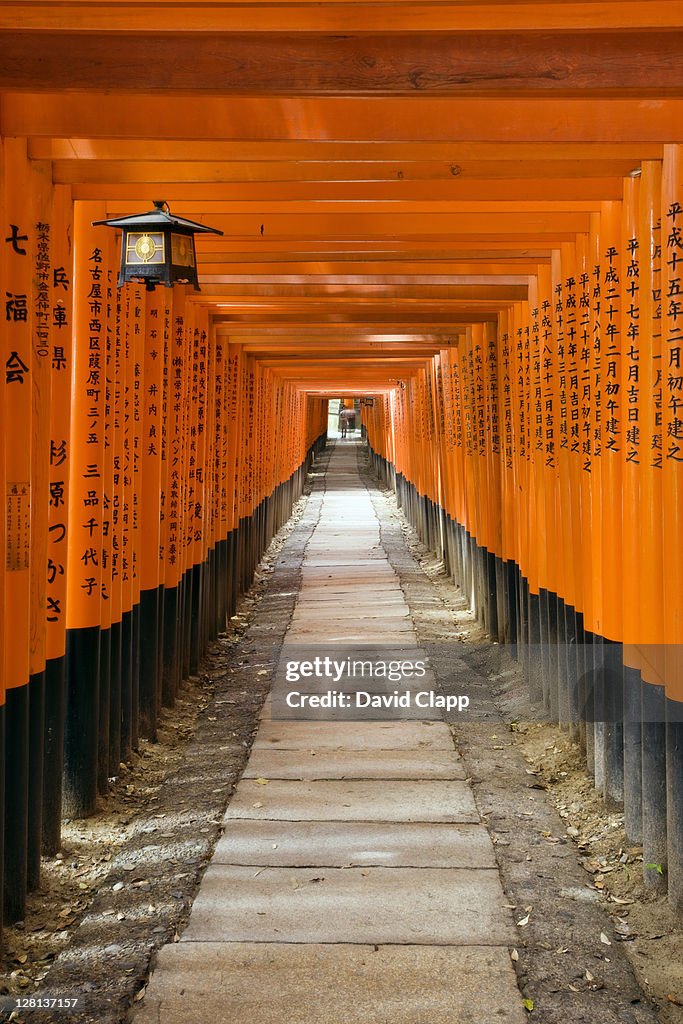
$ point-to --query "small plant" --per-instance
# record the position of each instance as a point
(655, 867)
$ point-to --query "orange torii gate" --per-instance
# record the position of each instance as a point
(552, 489)
(475, 218)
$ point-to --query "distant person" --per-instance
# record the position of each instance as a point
(347, 418)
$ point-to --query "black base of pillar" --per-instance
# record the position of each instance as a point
(16, 803)
(126, 685)
(53, 764)
(36, 702)
(653, 752)
(104, 712)
(170, 675)
(81, 722)
(115, 698)
(149, 692)
(674, 787)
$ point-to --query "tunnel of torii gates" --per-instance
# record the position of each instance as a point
(476, 219)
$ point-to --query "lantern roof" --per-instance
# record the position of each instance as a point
(158, 218)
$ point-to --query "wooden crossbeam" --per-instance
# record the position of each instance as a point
(390, 64)
(81, 114)
(216, 16)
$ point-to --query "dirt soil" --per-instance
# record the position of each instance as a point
(595, 944)
(124, 880)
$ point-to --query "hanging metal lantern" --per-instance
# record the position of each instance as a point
(158, 248)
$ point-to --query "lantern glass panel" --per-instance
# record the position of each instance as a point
(145, 248)
(182, 250)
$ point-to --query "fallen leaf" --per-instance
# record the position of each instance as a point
(514, 955)
(261, 782)
(604, 939)
(528, 1005)
(523, 922)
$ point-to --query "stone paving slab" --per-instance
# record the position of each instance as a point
(404, 650)
(352, 764)
(325, 597)
(356, 637)
(319, 610)
(361, 585)
(434, 906)
(351, 574)
(354, 843)
(353, 800)
(350, 594)
(351, 538)
(355, 735)
(319, 561)
(390, 624)
(329, 613)
(314, 984)
(395, 617)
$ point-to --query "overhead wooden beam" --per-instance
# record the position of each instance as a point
(395, 224)
(302, 15)
(447, 194)
(381, 118)
(222, 177)
(334, 333)
(255, 64)
(473, 189)
(408, 349)
(311, 295)
(348, 336)
(512, 270)
(325, 150)
(264, 250)
(369, 284)
(378, 207)
(240, 324)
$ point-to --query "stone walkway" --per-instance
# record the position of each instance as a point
(354, 882)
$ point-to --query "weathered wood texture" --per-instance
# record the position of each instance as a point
(398, 64)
